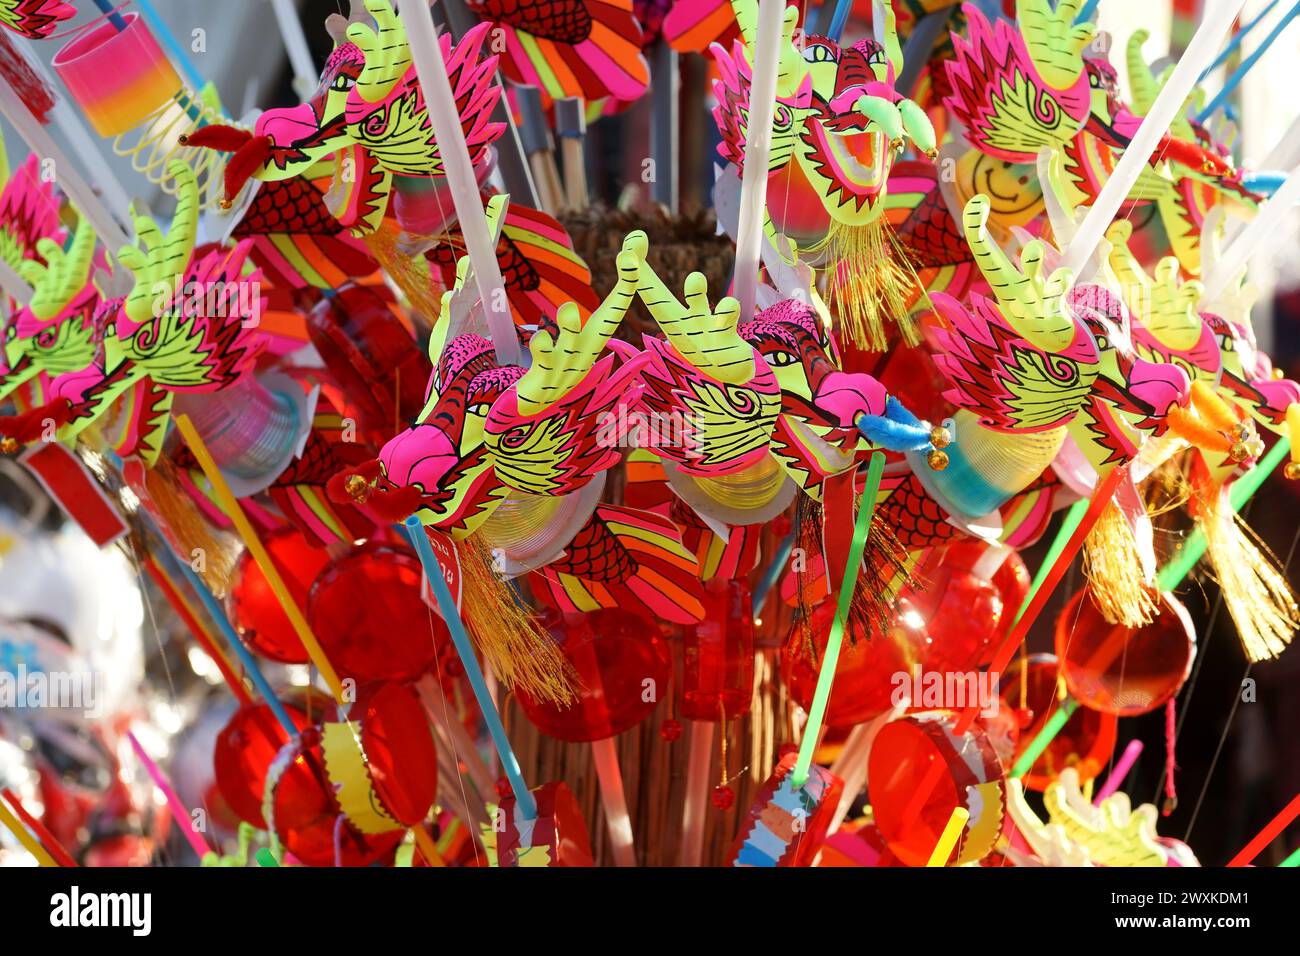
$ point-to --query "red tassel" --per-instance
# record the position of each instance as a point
(244, 163)
(1171, 795)
(394, 506)
(31, 425)
(227, 139)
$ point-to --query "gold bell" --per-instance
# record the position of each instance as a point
(1239, 451)
(357, 487)
(940, 437)
(1292, 470)
(224, 203)
(9, 445)
(933, 154)
(937, 460)
(183, 139)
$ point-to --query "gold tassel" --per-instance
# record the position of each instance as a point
(869, 279)
(1258, 597)
(1114, 571)
(412, 274)
(191, 531)
(511, 639)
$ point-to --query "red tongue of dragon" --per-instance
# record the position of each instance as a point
(250, 153)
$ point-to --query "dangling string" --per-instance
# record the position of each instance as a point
(722, 724)
(1171, 721)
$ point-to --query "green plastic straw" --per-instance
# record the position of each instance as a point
(1292, 860)
(1045, 737)
(1072, 519)
(1173, 573)
(830, 659)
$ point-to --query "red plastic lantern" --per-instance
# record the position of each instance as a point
(864, 676)
(372, 356)
(367, 613)
(245, 748)
(557, 837)
(1124, 670)
(960, 614)
(718, 655)
(253, 606)
(622, 667)
(920, 771)
(1087, 740)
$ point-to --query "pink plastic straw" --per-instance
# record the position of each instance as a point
(1122, 766)
(182, 815)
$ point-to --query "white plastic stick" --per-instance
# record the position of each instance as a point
(1265, 226)
(1218, 19)
(295, 43)
(614, 801)
(445, 119)
(14, 284)
(758, 144)
(65, 174)
(691, 850)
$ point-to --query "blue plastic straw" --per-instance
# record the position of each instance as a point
(1088, 12)
(841, 17)
(1239, 74)
(772, 573)
(246, 660)
(169, 41)
(459, 637)
(114, 17)
(1236, 40)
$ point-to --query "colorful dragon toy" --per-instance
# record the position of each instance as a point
(586, 48)
(1021, 89)
(838, 127)
(512, 462)
(369, 114)
(34, 19)
(1172, 329)
(186, 325)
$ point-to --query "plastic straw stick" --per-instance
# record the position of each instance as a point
(1268, 834)
(48, 840)
(614, 801)
(1241, 490)
(691, 848)
(1293, 859)
(29, 842)
(473, 672)
(766, 56)
(948, 838)
(1122, 766)
(1068, 526)
(246, 659)
(235, 512)
(69, 180)
(831, 656)
(772, 573)
(1265, 227)
(115, 18)
(182, 814)
(445, 119)
(838, 19)
(428, 849)
(14, 284)
(1237, 38)
(1045, 736)
(1239, 74)
(1200, 52)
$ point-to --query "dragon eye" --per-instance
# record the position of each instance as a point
(342, 83)
(781, 359)
(478, 408)
(1103, 343)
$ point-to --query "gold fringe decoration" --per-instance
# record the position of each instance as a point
(1258, 597)
(888, 570)
(1114, 571)
(508, 634)
(191, 531)
(412, 274)
(869, 279)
